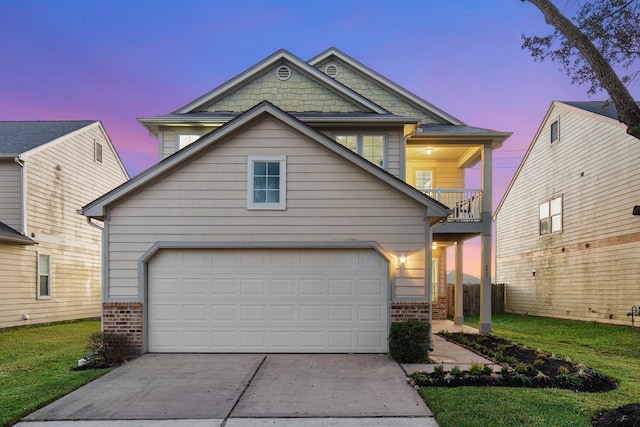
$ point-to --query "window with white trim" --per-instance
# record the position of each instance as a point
(372, 147)
(424, 179)
(184, 140)
(551, 216)
(266, 182)
(44, 276)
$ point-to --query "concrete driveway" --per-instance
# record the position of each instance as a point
(243, 390)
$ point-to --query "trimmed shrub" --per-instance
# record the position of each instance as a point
(409, 341)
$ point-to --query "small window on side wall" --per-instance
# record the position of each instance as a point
(555, 131)
(44, 276)
(551, 216)
(97, 152)
(266, 182)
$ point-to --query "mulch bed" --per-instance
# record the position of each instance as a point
(624, 416)
(521, 367)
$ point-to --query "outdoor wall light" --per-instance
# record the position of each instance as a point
(403, 260)
(636, 210)
(434, 246)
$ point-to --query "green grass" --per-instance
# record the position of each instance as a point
(612, 350)
(35, 365)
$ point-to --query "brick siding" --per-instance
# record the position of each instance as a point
(125, 319)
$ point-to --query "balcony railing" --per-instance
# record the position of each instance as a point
(466, 204)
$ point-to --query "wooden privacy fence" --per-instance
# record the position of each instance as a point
(471, 302)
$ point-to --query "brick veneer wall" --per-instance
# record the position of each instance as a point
(440, 309)
(401, 311)
(125, 319)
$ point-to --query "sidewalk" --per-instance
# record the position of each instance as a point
(448, 354)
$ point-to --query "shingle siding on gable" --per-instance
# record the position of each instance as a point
(375, 93)
(297, 94)
(590, 270)
(328, 199)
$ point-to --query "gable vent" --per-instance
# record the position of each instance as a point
(331, 70)
(283, 72)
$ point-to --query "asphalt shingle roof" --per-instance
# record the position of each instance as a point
(19, 137)
(603, 108)
(7, 232)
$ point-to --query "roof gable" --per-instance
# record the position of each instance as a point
(379, 89)
(97, 208)
(260, 82)
(22, 136)
(594, 110)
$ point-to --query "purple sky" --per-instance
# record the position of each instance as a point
(117, 60)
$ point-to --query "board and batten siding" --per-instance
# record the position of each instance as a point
(589, 271)
(54, 194)
(11, 194)
(328, 200)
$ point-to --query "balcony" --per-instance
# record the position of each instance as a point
(466, 204)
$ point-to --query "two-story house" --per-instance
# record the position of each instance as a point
(568, 227)
(50, 256)
(298, 207)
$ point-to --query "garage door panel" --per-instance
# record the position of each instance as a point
(268, 301)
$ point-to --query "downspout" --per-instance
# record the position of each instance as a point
(23, 193)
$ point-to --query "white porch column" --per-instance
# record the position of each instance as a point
(485, 244)
(458, 289)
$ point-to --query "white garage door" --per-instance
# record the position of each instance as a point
(256, 300)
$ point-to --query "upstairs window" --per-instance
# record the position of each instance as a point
(266, 182)
(555, 131)
(97, 152)
(424, 180)
(551, 216)
(184, 140)
(44, 276)
(371, 147)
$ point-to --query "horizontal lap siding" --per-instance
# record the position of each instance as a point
(328, 199)
(53, 198)
(594, 166)
(10, 194)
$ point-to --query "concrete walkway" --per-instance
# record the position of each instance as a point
(448, 354)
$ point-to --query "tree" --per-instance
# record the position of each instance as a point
(606, 34)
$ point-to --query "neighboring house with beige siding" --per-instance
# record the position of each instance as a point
(568, 241)
(50, 257)
(294, 209)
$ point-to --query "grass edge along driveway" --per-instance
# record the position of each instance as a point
(36, 362)
(612, 350)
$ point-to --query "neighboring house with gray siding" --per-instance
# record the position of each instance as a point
(294, 209)
(50, 257)
(568, 242)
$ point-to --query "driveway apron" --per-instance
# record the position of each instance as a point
(244, 390)
(160, 386)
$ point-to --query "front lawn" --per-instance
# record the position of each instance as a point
(612, 350)
(35, 366)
